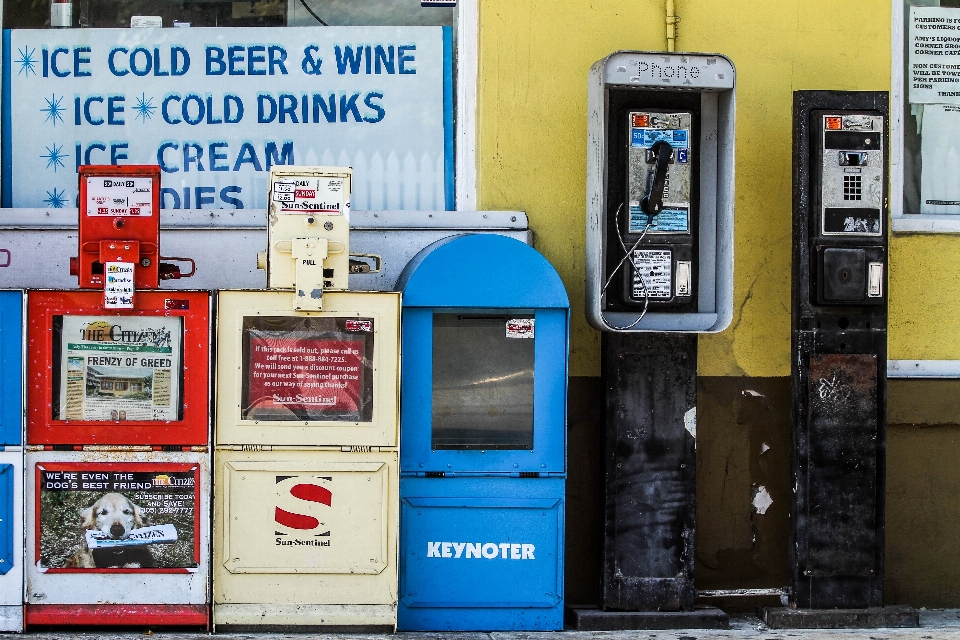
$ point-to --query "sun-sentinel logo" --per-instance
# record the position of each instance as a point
(300, 506)
(486, 550)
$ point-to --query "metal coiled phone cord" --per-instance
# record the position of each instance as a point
(626, 258)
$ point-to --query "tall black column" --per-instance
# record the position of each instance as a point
(651, 390)
(839, 349)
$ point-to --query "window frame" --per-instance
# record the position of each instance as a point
(466, 24)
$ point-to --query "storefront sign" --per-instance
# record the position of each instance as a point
(933, 72)
(216, 108)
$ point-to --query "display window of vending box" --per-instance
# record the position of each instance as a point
(483, 426)
(118, 377)
(307, 467)
(118, 537)
(11, 460)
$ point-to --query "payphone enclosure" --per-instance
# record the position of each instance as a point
(839, 348)
(660, 192)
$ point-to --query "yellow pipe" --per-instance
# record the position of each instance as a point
(672, 21)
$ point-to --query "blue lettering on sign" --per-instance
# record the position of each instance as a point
(171, 198)
(645, 138)
(378, 59)
(243, 60)
(218, 155)
(109, 68)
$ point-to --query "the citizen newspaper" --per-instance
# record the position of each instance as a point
(120, 368)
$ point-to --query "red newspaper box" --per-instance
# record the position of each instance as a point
(118, 377)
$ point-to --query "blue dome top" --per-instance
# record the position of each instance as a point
(481, 270)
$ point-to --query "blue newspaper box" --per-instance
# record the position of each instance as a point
(483, 429)
(11, 461)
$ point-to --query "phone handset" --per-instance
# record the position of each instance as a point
(652, 203)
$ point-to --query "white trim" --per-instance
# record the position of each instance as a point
(468, 45)
(896, 113)
(927, 223)
(923, 368)
(900, 222)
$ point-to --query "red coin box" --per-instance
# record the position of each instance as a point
(119, 204)
(118, 377)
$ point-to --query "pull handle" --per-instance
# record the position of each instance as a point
(172, 272)
(652, 203)
(6, 262)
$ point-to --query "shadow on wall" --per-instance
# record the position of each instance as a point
(743, 482)
(743, 489)
(923, 493)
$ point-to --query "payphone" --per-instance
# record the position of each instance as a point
(11, 459)
(660, 192)
(659, 270)
(839, 356)
(483, 463)
(118, 459)
(307, 428)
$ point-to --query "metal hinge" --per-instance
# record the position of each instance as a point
(359, 448)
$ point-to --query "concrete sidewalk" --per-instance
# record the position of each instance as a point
(935, 624)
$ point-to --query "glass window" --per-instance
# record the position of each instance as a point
(375, 80)
(483, 381)
(110, 368)
(930, 118)
(313, 368)
(36, 14)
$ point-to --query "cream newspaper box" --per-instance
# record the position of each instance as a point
(307, 469)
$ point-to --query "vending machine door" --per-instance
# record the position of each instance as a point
(11, 364)
(118, 537)
(308, 378)
(481, 554)
(11, 540)
(306, 539)
(119, 377)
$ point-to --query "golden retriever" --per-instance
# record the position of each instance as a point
(114, 515)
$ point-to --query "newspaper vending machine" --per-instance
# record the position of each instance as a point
(11, 459)
(118, 460)
(307, 428)
(483, 464)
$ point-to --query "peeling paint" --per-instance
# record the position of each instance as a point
(751, 392)
(690, 422)
(761, 499)
(764, 448)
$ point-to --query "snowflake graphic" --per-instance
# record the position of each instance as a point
(144, 108)
(53, 109)
(55, 156)
(26, 61)
(56, 199)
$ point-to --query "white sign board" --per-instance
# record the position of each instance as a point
(217, 107)
(933, 75)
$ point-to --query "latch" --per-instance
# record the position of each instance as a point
(311, 277)
(361, 265)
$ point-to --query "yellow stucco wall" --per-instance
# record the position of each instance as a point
(534, 58)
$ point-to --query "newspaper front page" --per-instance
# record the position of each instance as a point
(120, 368)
